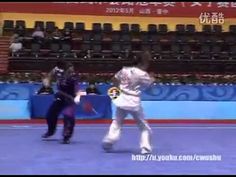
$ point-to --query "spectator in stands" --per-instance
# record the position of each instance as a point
(67, 36)
(46, 88)
(92, 89)
(13, 37)
(12, 78)
(38, 35)
(20, 30)
(16, 46)
(56, 35)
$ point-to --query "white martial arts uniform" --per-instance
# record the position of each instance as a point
(132, 81)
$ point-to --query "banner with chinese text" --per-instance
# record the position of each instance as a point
(142, 9)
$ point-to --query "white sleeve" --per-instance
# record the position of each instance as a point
(118, 75)
(146, 79)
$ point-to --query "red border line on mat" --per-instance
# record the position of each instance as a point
(108, 121)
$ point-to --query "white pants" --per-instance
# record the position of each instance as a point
(114, 132)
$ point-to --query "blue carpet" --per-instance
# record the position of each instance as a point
(23, 152)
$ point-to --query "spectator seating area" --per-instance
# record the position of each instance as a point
(169, 79)
(102, 42)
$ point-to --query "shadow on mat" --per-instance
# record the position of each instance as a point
(54, 139)
(123, 151)
(60, 141)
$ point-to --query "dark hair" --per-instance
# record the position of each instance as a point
(60, 64)
(92, 82)
(68, 65)
(64, 65)
(142, 59)
(137, 59)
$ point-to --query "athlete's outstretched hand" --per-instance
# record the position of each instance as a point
(77, 99)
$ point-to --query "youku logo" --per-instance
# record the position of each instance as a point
(211, 18)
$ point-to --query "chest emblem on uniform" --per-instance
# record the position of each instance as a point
(113, 92)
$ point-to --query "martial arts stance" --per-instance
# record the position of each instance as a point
(65, 99)
(131, 81)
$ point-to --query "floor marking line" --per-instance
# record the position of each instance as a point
(95, 127)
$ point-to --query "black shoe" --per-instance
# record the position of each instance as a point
(107, 146)
(66, 140)
(46, 135)
(145, 151)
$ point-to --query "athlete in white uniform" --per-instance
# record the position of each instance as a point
(131, 81)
